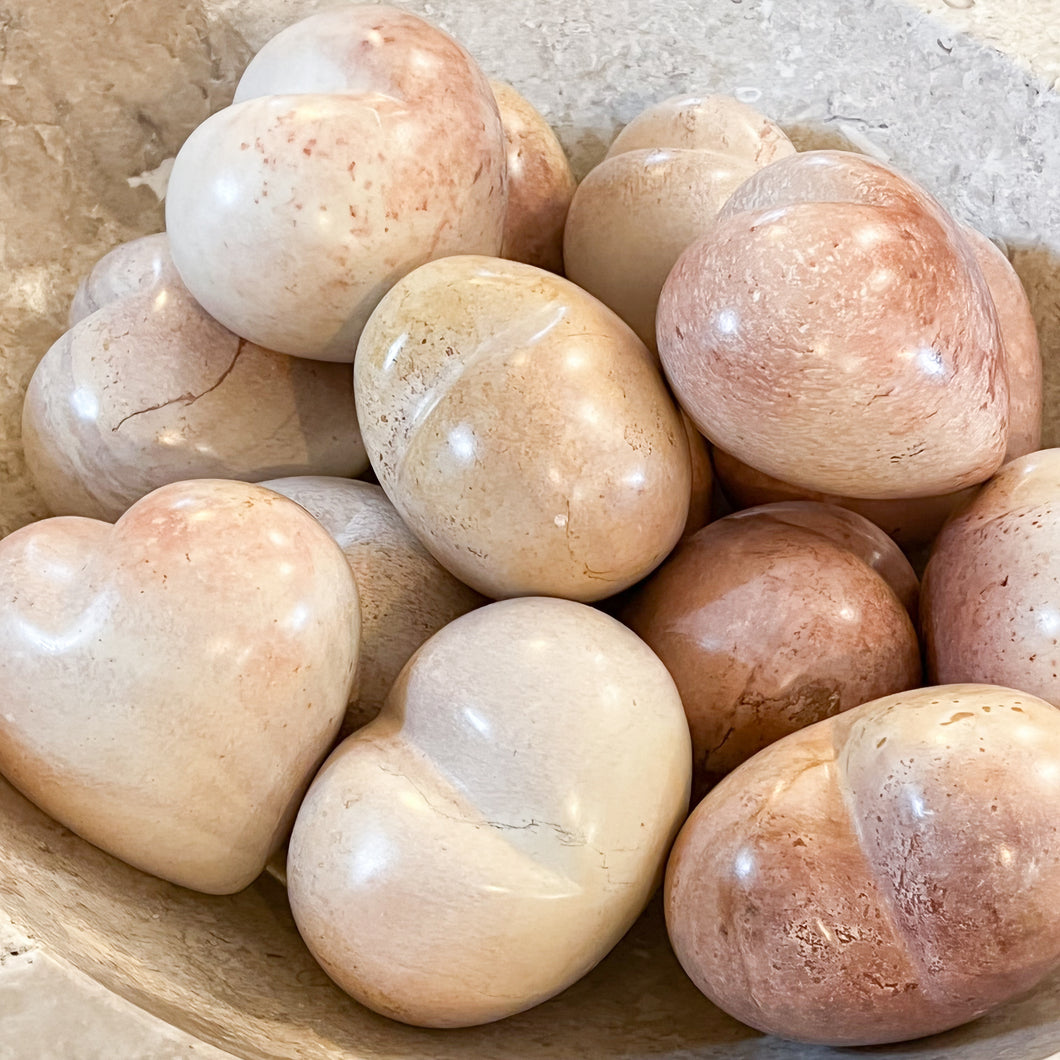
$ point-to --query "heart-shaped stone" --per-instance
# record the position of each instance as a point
(500, 825)
(362, 142)
(171, 682)
(836, 309)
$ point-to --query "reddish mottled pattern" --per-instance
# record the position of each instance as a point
(769, 621)
(913, 523)
(1023, 359)
(363, 142)
(836, 310)
(888, 873)
(172, 682)
(991, 600)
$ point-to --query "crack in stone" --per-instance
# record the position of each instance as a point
(185, 399)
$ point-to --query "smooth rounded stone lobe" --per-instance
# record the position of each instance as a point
(885, 874)
(481, 845)
(992, 585)
(362, 143)
(774, 618)
(659, 189)
(173, 681)
(914, 522)
(540, 183)
(143, 264)
(405, 594)
(1023, 359)
(839, 310)
(522, 431)
(149, 389)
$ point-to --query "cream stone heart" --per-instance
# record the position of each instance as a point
(362, 142)
(498, 828)
(171, 682)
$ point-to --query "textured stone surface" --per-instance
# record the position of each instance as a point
(772, 619)
(492, 835)
(834, 330)
(964, 98)
(991, 586)
(522, 430)
(889, 872)
(149, 389)
(883, 77)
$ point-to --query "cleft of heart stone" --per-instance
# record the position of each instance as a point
(172, 681)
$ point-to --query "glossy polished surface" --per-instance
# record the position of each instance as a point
(836, 309)
(885, 874)
(172, 682)
(540, 183)
(493, 834)
(362, 142)
(772, 619)
(912, 523)
(522, 431)
(700, 502)
(405, 594)
(1023, 359)
(148, 389)
(660, 187)
(991, 603)
(143, 264)
(853, 532)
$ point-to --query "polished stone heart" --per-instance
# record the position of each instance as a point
(171, 682)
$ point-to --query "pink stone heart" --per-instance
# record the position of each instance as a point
(171, 682)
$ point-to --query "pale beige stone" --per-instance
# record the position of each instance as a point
(660, 187)
(148, 389)
(498, 828)
(172, 682)
(362, 143)
(88, 111)
(405, 594)
(142, 264)
(521, 430)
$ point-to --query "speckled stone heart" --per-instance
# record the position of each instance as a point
(171, 682)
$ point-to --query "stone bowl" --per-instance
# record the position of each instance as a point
(97, 959)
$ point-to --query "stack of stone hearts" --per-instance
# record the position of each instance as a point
(869, 860)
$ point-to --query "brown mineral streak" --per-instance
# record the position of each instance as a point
(101, 430)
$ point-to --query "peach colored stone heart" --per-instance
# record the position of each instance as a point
(172, 682)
